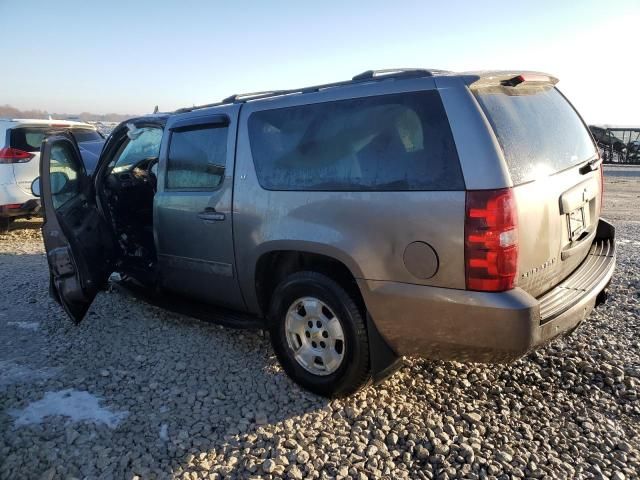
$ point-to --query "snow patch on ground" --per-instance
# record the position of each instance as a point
(623, 241)
(164, 432)
(33, 326)
(12, 372)
(78, 406)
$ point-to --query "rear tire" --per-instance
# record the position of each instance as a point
(4, 224)
(319, 335)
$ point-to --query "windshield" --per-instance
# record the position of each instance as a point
(145, 144)
(539, 131)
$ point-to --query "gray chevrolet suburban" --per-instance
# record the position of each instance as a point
(453, 216)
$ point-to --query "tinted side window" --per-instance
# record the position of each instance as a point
(197, 157)
(390, 142)
(27, 139)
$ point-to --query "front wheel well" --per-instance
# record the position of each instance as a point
(275, 266)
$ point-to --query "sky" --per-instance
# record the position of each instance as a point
(128, 56)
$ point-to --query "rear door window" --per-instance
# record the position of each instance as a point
(393, 142)
(27, 139)
(197, 157)
(539, 131)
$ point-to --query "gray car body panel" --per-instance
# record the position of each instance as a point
(481, 158)
(367, 231)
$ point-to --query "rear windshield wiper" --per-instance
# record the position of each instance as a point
(590, 166)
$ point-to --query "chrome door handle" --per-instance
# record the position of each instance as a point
(210, 215)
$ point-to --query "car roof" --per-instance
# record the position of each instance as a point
(369, 76)
(49, 123)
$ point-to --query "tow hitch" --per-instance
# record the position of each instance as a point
(603, 296)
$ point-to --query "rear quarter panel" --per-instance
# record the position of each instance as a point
(481, 158)
(366, 231)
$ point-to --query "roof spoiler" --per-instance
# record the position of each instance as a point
(510, 79)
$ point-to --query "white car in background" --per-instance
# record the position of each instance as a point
(20, 141)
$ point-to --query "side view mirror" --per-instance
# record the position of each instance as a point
(58, 180)
(35, 187)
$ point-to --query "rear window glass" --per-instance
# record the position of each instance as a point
(391, 142)
(539, 131)
(29, 139)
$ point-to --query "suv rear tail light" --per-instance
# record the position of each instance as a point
(490, 240)
(13, 155)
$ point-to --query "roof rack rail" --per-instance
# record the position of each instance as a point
(393, 73)
(367, 76)
(241, 97)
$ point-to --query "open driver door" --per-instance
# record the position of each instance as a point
(78, 241)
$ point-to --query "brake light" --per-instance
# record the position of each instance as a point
(526, 77)
(13, 155)
(491, 240)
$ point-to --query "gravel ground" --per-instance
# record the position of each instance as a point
(136, 392)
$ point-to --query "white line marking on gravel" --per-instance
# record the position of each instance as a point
(78, 406)
(33, 326)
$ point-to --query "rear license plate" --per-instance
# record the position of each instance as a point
(576, 223)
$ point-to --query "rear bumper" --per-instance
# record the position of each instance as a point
(14, 202)
(461, 325)
(26, 209)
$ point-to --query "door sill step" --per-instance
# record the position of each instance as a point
(193, 308)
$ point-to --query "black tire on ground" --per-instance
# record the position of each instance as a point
(354, 371)
(4, 224)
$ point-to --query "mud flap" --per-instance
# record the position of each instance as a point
(384, 361)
